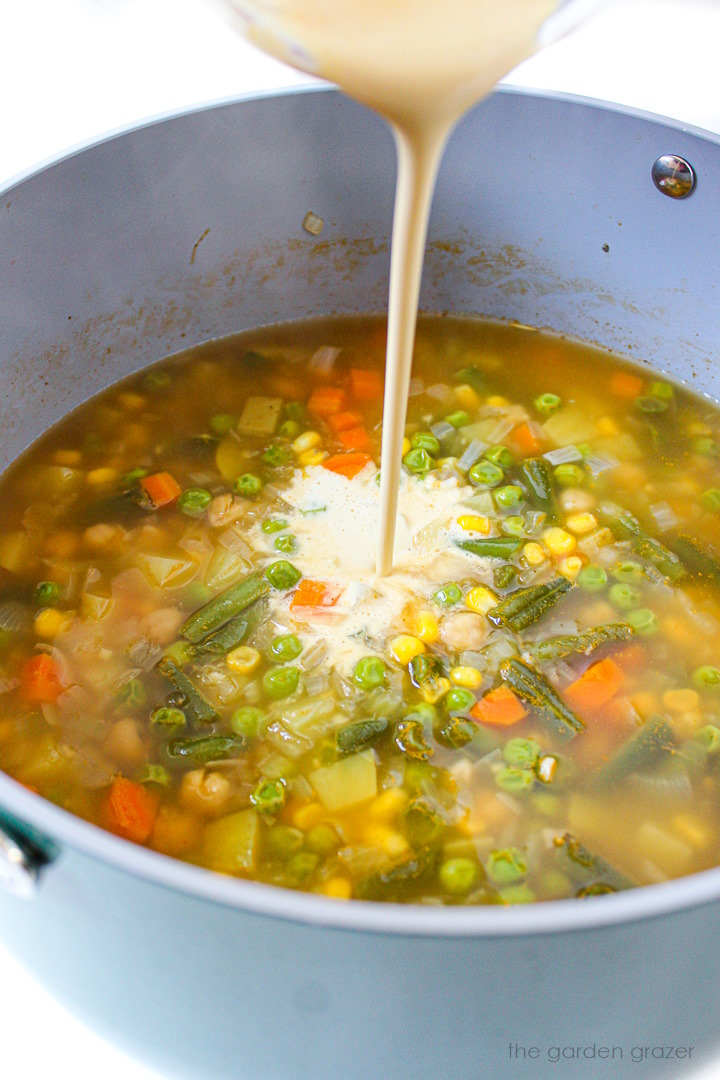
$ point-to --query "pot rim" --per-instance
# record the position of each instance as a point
(558, 916)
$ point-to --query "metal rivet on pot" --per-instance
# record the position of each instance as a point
(18, 868)
(673, 176)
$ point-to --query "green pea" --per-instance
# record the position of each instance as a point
(506, 866)
(707, 678)
(322, 839)
(423, 711)
(156, 380)
(47, 594)
(499, 455)
(518, 894)
(276, 455)
(448, 595)
(280, 682)
(424, 440)
(710, 500)
(168, 716)
(286, 544)
(248, 485)
(569, 475)
(515, 781)
(284, 841)
(705, 447)
(592, 578)
(513, 525)
(131, 695)
(650, 405)
(294, 410)
(485, 474)
(521, 753)
(301, 867)
(472, 376)
(268, 795)
(458, 876)
(509, 496)
(627, 571)
(286, 647)
(221, 423)
(644, 621)
(547, 404)
(662, 390)
(709, 738)
(369, 673)
(458, 419)
(273, 525)
(289, 429)
(194, 502)
(154, 774)
(418, 461)
(282, 574)
(624, 596)
(131, 478)
(422, 823)
(458, 699)
(247, 721)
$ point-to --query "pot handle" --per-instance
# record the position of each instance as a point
(22, 857)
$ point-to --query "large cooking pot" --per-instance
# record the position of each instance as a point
(192, 228)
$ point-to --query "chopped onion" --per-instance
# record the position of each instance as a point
(563, 455)
(14, 618)
(597, 465)
(442, 430)
(313, 656)
(472, 453)
(316, 683)
(232, 541)
(323, 359)
(417, 386)
(664, 516)
(439, 391)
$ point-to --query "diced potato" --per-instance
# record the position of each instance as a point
(569, 425)
(621, 447)
(260, 416)
(14, 551)
(230, 458)
(229, 845)
(224, 568)
(347, 782)
(165, 572)
(95, 607)
(672, 855)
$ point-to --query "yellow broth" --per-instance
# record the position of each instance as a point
(195, 655)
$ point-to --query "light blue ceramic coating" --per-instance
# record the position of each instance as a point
(546, 214)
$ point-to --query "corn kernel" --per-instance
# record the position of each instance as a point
(466, 397)
(686, 724)
(581, 524)
(681, 700)
(388, 804)
(644, 703)
(497, 401)
(559, 542)
(474, 523)
(606, 427)
(70, 459)
(49, 622)
(677, 630)
(533, 554)
(481, 600)
(311, 457)
(425, 626)
(131, 401)
(433, 689)
(692, 830)
(244, 660)
(406, 446)
(103, 475)
(307, 816)
(404, 647)
(309, 440)
(339, 888)
(570, 567)
(469, 677)
(382, 836)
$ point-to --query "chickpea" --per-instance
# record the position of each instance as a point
(224, 509)
(462, 631)
(125, 745)
(205, 793)
(576, 501)
(163, 624)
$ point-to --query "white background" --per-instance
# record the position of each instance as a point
(73, 69)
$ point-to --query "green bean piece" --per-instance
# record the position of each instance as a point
(547, 404)
(400, 881)
(281, 682)
(268, 796)
(534, 690)
(707, 678)
(168, 716)
(196, 707)
(221, 423)
(410, 738)
(499, 455)
(247, 485)
(457, 732)
(233, 633)
(282, 575)
(521, 753)
(208, 748)
(424, 667)
(286, 647)
(131, 695)
(425, 440)
(506, 866)
(592, 874)
(418, 461)
(458, 876)
(472, 376)
(294, 410)
(130, 479)
(224, 607)
(523, 607)
(503, 576)
(492, 547)
(665, 560)
(47, 594)
(652, 742)
(369, 673)
(650, 405)
(359, 734)
(448, 595)
(485, 474)
(538, 478)
(421, 822)
(569, 475)
(248, 721)
(154, 774)
(585, 644)
(702, 564)
(662, 390)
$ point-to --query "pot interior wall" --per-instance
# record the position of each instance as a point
(192, 228)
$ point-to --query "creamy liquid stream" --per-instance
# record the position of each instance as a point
(420, 64)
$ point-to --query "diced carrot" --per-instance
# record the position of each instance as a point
(326, 401)
(343, 421)
(130, 809)
(367, 385)
(347, 465)
(355, 438)
(625, 385)
(500, 707)
(596, 687)
(526, 439)
(41, 679)
(315, 594)
(161, 488)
